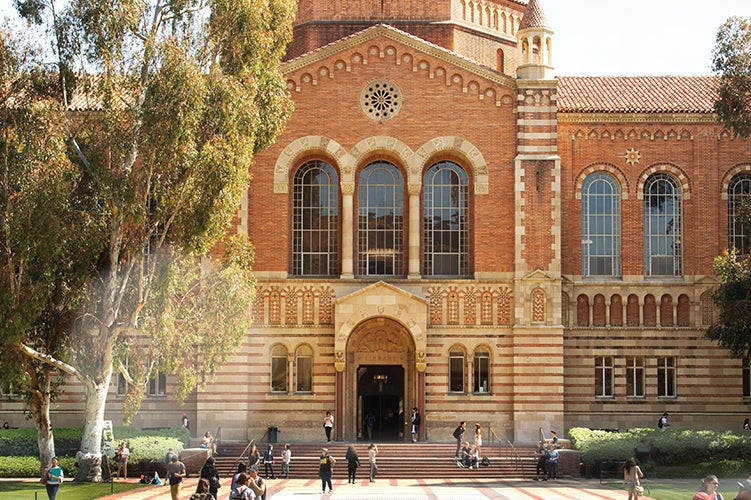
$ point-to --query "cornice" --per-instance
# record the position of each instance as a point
(564, 117)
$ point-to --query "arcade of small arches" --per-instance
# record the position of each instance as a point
(633, 311)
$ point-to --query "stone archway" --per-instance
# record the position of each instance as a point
(402, 318)
(380, 378)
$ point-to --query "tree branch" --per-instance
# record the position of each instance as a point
(50, 360)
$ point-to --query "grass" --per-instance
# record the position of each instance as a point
(27, 490)
(679, 490)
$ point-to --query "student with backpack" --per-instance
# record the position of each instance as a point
(663, 422)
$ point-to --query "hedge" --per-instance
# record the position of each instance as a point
(669, 447)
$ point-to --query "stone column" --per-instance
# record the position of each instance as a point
(414, 232)
(348, 190)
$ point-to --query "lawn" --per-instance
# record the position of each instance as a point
(682, 490)
(25, 490)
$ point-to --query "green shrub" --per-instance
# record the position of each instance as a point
(30, 466)
(19, 452)
(669, 447)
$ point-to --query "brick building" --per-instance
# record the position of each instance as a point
(447, 225)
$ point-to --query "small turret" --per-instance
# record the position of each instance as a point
(535, 45)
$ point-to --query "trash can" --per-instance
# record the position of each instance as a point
(273, 433)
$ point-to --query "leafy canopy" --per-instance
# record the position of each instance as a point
(732, 61)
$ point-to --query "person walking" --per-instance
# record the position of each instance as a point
(328, 425)
(370, 421)
(415, 424)
(746, 425)
(478, 440)
(372, 453)
(459, 436)
(54, 477)
(175, 474)
(286, 459)
(325, 463)
(353, 462)
(632, 475)
(663, 422)
(268, 462)
(541, 469)
(211, 475)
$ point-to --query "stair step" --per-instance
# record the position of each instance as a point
(395, 460)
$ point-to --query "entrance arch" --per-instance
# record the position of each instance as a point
(379, 326)
(381, 379)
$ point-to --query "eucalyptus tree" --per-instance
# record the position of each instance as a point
(732, 62)
(48, 236)
(169, 102)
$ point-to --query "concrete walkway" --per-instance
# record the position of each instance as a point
(457, 487)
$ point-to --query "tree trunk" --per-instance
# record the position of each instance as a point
(39, 407)
(90, 465)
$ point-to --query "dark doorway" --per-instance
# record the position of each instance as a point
(380, 390)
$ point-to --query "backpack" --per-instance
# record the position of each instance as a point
(457, 432)
(659, 423)
(239, 493)
(485, 462)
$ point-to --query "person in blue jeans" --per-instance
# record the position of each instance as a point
(55, 478)
(553, 456)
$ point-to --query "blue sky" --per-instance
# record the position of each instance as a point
(634, 37)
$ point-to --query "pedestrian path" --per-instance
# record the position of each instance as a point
(408, 489)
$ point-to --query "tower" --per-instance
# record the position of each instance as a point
(538, 232)
(535, 45)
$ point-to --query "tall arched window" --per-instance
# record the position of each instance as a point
(739, 213)
(601, 226)
(304, 369)
(482, 370)
(315, 241)
(380, 221)
(446, 221)
(663, 250)
(279, 369)
(456, 370)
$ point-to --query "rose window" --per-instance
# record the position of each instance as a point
(381, 99)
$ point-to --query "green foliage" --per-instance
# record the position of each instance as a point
(146, 444)
(732, 330)
(669, 447)
(29, 466)
(732, 61)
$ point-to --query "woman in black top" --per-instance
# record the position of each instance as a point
(209, 472)
(353, 462)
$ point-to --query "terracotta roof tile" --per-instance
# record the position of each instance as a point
(637, 94)
(534, 16)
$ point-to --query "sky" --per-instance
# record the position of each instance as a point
(628, 37)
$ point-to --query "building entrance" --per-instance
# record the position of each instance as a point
(380, 396)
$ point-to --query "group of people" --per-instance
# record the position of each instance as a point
(465, 455)
(326, 466)
(547, 458)
(256, 460)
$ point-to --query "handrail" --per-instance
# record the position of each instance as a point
(246, 450)
(517, 459)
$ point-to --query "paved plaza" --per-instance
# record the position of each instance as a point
(458, 487)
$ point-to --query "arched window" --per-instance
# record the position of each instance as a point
(304, 369)
(456, 370)
(315, 242)
(601, 226)
(739, 213)
(446, 221)
(380, 221)
(663, 253)
(482, 370)
(279, 375)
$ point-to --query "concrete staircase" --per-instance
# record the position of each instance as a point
(395, 460)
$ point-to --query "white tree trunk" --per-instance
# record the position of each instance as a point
(39, 407)
(90, 468)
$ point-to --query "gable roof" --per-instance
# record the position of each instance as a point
(637, 94)
(397, 35)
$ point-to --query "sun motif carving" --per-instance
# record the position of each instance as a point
(381, 99)
(632, 156)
